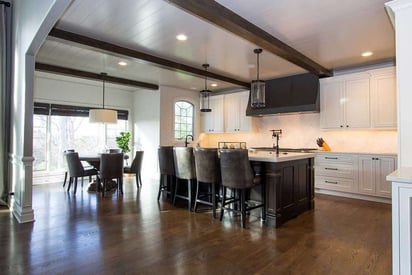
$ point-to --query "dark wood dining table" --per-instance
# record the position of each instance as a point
(93, 160)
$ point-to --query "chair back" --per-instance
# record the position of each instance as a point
(236, 169)
(115, 150)
(207, 165)
(74, 164)
(111, 165)
(166, 163)
(184, 163)
(137, 162)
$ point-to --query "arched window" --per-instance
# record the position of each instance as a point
(184, 117)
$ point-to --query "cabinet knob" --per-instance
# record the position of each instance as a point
(341, 126)
(347, 126)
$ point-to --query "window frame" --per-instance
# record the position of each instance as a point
(192, 105)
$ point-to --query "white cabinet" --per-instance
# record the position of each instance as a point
(213, 122)
(383, 84)
(235, 112)
(359, 100)
(373, 170)
(345, 102)
(335, 172)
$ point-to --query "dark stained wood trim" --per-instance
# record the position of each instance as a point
(224, 18)
(162, 62)
(94, 76)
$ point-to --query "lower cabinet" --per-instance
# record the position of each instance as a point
(289, 189)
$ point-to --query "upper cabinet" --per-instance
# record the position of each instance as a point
(359, 101)
(213, 122)
(235, 112)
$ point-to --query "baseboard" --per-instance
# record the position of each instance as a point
(353, 196)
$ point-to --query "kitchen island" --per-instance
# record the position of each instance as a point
(289, 179)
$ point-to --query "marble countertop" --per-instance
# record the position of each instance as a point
(256, 155)
(358, 153)
(403, 174)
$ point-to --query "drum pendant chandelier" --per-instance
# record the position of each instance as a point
(103, 115)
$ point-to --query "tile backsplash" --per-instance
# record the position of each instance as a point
(302, 130)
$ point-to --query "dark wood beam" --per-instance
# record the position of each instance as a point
(94, 76)
(224, 18)
(162, 62)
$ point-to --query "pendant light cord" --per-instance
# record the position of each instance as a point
(205, 66)
(257, 73)
(104, 81)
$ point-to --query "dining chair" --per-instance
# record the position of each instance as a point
(111, 168)
(77, 170)
(115, 150)
(67, 169)
(167, 171)
(185, 171)
(136, 167)
(238, 175)
(207, 173)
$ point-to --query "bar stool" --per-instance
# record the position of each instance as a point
(184, 170)
(238, 175)
(167, 171)
(207, 172)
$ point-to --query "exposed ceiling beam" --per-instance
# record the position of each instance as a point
(161, 62)
(88, 75)
(224, 18)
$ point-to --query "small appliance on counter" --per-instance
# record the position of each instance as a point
(231, 145)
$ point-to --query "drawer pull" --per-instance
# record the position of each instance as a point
(334, 182)
(331, 158)
(334, 169)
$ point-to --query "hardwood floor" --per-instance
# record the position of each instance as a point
(134, 234)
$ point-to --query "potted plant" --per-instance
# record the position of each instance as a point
(123, 143)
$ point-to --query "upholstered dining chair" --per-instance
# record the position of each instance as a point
(207, 173)
(238, 175)
(67, 170)
(115, 150)
(111, 168)
(184, 171)
(167, 171)
(136, 167)
(76, 170)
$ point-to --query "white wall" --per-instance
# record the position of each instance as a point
(302, 130)
(147, 129)
(168, 96)
(32, 21)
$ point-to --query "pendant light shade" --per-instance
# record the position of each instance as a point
(205, 95)
(103, 115)
(257, 89)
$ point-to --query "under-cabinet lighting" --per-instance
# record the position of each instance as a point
(366, 54)
(181, 37)
(122, 63)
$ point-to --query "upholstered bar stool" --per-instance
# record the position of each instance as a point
(167, 171)
(184, 171)
(207, 173)
(238, 175)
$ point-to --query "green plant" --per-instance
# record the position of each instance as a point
(123, 141)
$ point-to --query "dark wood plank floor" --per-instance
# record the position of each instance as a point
(135, 234)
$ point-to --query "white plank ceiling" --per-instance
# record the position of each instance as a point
(333, 33)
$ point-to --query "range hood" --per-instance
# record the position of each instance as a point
(293, 94)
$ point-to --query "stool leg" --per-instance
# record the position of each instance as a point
(175, 191)
(197, 195)
(189, 194)
(243, 207)
(264, 201)
(160, 186)
(213, 200)
(223, 203)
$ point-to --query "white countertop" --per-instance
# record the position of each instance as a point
(357, 153)
(403, 174)
(256, 155)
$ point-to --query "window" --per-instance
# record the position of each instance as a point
(184, 117)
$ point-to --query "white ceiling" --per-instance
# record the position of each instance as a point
(333, 33)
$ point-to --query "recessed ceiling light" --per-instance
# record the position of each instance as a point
(213, 84)
(122, 63)
(366, 54)
(181, 37)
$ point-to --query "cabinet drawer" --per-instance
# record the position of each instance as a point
(337, 184)
(331, 158)
(340, 171)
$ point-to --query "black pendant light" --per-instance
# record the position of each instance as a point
(205, 95)
(257, 91)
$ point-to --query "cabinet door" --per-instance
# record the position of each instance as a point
(383, 167)
(384, 100)
(357, 99)
(207, 122)
(366, 175)
(231, 113)
(331, 108)
(217, 113)
(244, 121)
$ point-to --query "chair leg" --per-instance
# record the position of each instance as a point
(75, 185)
(70, 184)
(104, 187)
(213, 200)
(65, 178)
(120, 180)
(137, 180)
(197, 195)
(243, 206)
(223, 203)
(140, 179)
(160, 186)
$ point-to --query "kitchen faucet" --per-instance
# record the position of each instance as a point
(186, 143)
(276, 134)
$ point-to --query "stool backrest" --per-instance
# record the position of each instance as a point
(166, 162)
(184, 163)
(111, 165)
(207, 165)
(235, 168)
